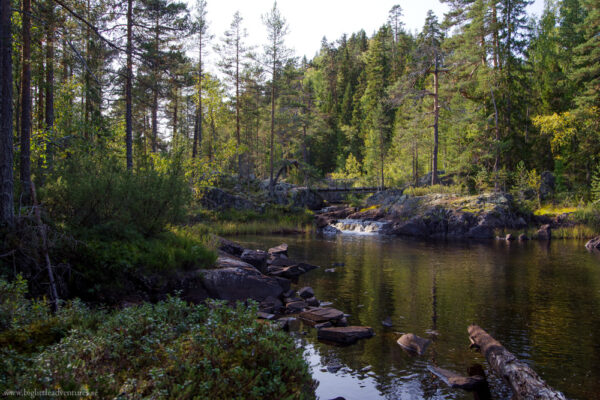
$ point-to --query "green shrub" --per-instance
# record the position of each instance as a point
(170, 350)
(98, 195)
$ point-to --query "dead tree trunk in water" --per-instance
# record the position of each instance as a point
(523, 381)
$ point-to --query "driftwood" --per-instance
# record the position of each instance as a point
(523, 381)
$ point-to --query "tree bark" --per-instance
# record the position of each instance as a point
(237, 100)
(436, 117)
(128, 88)
(198, 126)
(155, 90)
(272, 136)
(50, 86)
(25, 143)
(6, 116)
(496, 143)
(523, 381)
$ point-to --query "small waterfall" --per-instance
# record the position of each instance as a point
(355, 226)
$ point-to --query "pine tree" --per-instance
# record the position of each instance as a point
(234, 56)
(275, 56)
(6, 120)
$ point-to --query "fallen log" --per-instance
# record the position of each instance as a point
(523, 381)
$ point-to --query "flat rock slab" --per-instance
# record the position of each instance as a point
(319, 315)
(231, 262)
(413, 343)
(281, 249)
(345, 334)
(239, 284)
(456, 381)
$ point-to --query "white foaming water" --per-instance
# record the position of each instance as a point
(358, 227)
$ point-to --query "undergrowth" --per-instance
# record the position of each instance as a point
(168, 350)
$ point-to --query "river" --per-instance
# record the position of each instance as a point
(540, 299)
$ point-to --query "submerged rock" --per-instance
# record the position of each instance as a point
(387, 322)
(457, 381)
(413, 343)
(306, 292)
(523, 237)
(345, 335)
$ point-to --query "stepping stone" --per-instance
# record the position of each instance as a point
(318, 315)
(346, 334)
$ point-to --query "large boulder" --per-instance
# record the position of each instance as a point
(218, 199)
(386, 197)
(240, 284)
(345, 334)
(306, 198)
(229, 247)
(256, 258)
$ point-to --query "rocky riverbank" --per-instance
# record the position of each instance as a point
(437, 216)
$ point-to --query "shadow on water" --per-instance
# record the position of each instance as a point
(540, 299)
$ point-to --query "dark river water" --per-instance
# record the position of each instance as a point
(540, 300)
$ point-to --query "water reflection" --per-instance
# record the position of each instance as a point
(540, 300)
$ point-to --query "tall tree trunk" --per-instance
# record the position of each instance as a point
(436, 116)
(155, 90)
(197, 142)
(25, 144)
(6, 116)
(381, 157)
(272, 136)
(496, 143)
(237, 103)
(50, 86)
(128, 88)
(496, 42)
(175, 114)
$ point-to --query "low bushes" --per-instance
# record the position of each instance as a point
(170, 350)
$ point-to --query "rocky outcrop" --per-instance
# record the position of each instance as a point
(289, 195)
(219, 199)
(345, 335)
(240, 284)
(429, 216)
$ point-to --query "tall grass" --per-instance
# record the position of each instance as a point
(274, 219)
